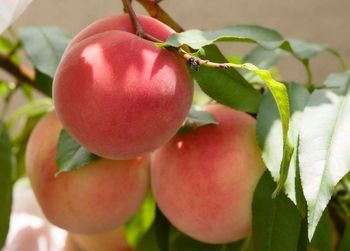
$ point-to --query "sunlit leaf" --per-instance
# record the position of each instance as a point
(70, 155)
(324, 149)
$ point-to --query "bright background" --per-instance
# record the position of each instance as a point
(321, 21)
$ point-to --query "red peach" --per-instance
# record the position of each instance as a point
(203, 180)
(119, 95)
(97, 197)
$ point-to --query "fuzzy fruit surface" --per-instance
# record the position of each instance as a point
(95, 198)
(203, 180)
(119, 95)
(114, 240)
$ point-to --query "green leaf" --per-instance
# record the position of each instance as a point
(323, 153)
(19, 144)
(162, 226)
(270, 134)
(263, 59)
(181, 242)
(45, 47)
(264, 37)
(276, 222)
(31, 109)
(303, 241)
(6, 88)
(148, 241)
(280, 95)
(226, 86)
(141, 222)
(44, 82)
(5, 45)
(237, 33)
(6, 183)
(322, 239)
(70, 155)
(200, 117)
(344, 244)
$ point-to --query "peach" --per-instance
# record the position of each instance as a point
(119, 95)
(94, 198)
(114, 240)
(203, 180)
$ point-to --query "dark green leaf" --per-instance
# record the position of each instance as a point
(141, 222)
(199, 117)
(6, 183)
(44, 82)
(162, 226)
(226, 86)
(264, 37)
(276, 222)
(148, 241)
(323, 153)
(70, 155)
(344, 244)
(322, 239)
(45, 47)
(19, 143)
(303, 241)
(270, 135)
(238, 33)
(182, 242)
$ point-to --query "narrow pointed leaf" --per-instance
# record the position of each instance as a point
(322, 239)
(344, 244)
(280, 95)
(276, 222)
(6, 183)
(200, 117)
(141, 222)
(70, 155)
(270, 135)
(324, 146)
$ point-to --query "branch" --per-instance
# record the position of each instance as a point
(196, 62)
(19, 73)
(155, 11)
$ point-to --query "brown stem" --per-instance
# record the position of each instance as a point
(16, 71)
(136, 23)
(194, 62)
(153, 8)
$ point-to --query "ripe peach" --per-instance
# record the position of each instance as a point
(119, 95)
(114, 240)
(97, 197)
(203, 180)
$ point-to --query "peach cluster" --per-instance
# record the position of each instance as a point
(125, 99)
